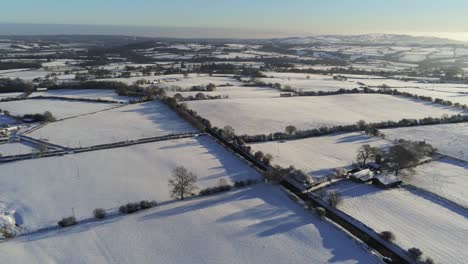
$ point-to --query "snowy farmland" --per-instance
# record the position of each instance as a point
(202, 80)
(59, 108)
(236, 92)
(268, 115)
(102, 94)
(418, 220)
(255, 225)
(318, 156)
(129, 122)
(446, 177)
(308, 82)
(16, 148)
(43, 191)
(449, 139)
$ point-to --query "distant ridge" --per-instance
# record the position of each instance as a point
(368, 39)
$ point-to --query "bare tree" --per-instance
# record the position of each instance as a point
(365, 153)
(211, 87)
(267, 159)
(228, 132)
(182, 183)
(398, 158)
(291, 130)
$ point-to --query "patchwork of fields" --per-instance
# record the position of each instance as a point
(136, 121)
(52, 170)
(255, 225)
(44, 190)
(269, 115)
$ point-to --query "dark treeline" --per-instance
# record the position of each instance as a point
(322, 131)
(198, 96)
(385, 91)
(189, 115)
(9, 65)
(89, 85)
(15, 85)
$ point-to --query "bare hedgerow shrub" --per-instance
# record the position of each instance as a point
(244, 183)
(99, 213)
(67, 221)
(334, 198)
(429, 261)
(7, 232)
(387, 235)
(129, 208)
(147, 204)
(415, 253)
(320, 211)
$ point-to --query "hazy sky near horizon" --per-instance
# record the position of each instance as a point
(286, 16)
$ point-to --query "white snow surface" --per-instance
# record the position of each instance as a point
(315, 82)
(417, 219)
(446, 177)
(59, 108)
(318, 156)
(16, 148)
(129, 122)
(449, 139)
(237, 92)
(269, 115)
(44, 190)
(253, 225)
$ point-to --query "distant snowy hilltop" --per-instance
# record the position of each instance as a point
(367, 39)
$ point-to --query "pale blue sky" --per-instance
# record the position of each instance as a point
(295, 16)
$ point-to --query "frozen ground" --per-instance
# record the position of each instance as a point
(9, 95)
(44, 190)
(59, 108)
(417, 220)
(449, 139)
(237, 92)
(102, 94)
(28, 75)
(446, 177)
(268, 115)
(202, 80)
(315, 82)
(254, 225)
(318, 156)
(16, 148)
(129, 122)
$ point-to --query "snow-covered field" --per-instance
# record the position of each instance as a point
(193, 80)
(129, 122)
(268, 115)
(236, 92)
(27, 75)
(449, 139)
(59, 108)
(446, 177)
(320, 155)
(102, 94)
(16, 148)
(455, 95)
(315, 82)
(9, 95)
(43, 191)
(419, 220)
(255, 225)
